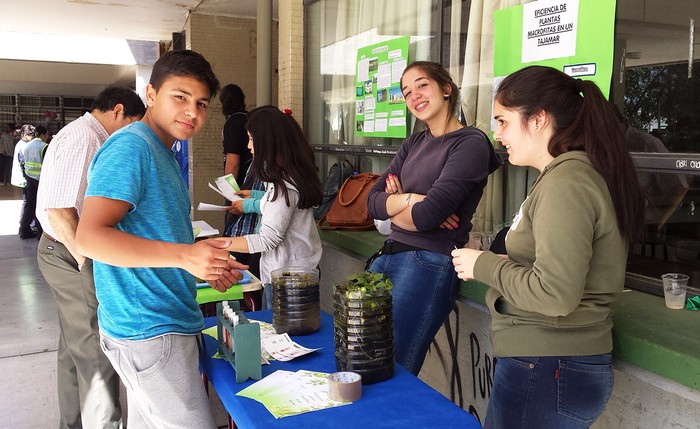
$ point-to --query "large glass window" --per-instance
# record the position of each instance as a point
(655, 86)
(657, 89)
(335, 30)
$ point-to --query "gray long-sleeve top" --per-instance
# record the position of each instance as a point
(287, 236)
(452, 171)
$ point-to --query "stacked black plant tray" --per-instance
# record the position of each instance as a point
(363, 334)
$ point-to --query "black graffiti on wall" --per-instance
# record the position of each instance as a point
(482, 368)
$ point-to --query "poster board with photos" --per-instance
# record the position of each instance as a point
(380, 109)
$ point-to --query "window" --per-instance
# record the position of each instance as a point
(655, 86)
(657, 90)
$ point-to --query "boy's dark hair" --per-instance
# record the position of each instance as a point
(113, 95)
(232, 99)
(283, 154)
(40, 129)
(184, 63)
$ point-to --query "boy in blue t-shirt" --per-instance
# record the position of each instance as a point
(135, 225)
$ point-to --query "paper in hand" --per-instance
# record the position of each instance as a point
(227, 187)
(205, 207)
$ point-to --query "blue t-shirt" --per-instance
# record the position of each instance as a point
(138, 303)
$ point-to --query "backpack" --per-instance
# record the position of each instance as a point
(337, 175)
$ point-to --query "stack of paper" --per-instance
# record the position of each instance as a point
(286, 393)
(227, 187)
(281, 347)
(203, 229)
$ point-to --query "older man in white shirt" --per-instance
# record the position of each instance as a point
(88, 387)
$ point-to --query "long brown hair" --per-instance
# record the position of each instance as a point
(281, 153)
(582, 119)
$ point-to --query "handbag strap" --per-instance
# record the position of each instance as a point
(367, 180)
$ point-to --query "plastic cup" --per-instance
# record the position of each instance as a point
(675, 286)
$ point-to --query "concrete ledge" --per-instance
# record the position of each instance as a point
(662, 341)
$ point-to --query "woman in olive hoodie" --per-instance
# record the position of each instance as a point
(567, 250)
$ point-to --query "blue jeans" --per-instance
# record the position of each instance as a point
(563, 392)
(423, 296)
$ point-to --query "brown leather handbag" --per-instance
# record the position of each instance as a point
(349, 209)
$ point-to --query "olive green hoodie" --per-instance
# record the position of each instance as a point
(566, 264)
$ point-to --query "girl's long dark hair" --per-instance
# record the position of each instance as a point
(582, 119)
(281, 153)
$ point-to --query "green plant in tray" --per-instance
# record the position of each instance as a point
(367, 285)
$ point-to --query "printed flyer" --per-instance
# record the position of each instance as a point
(286, 393)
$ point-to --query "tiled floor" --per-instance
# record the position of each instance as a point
(29, 330)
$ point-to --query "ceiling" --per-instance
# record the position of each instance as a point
(144, 20)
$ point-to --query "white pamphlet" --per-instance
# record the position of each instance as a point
(210, 207)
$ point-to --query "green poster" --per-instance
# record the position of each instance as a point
(380, 109)
(574, 36)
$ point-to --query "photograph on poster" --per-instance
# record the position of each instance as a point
(360, 90)
(360, 126)
(373, 64)
(359, 107)
(381, 95)
(368, 87)
(395, 95)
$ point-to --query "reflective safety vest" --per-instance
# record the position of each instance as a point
(33, 156)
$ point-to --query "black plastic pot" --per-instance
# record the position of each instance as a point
(296, 307)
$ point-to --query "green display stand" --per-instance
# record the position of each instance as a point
(245, 358)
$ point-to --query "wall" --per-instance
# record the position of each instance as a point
(291, 57)
(460, 365)
(229, 44)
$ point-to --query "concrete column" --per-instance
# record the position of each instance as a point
(264, 52)
(143, 76)
(291, 57)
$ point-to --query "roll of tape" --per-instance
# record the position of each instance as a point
(345, 386)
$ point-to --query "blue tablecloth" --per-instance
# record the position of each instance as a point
(402, 401)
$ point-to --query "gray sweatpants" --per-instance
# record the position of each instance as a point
(164, 388)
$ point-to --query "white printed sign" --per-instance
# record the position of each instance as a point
(549, 29)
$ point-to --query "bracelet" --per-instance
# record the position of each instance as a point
(408, 200)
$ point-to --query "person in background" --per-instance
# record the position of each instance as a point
(19, 179)
(33, 158)
(566, 252)
(136, 227)
(88, 387)
(7, 149)
(180, 149)
(247, 211)
(283, 160)
(237, 157)
(430, 192)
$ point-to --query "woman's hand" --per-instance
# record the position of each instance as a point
(393, 185)
(229, 276)
(464, 260)
(236, 207)
(451, 222)
(244, 193)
